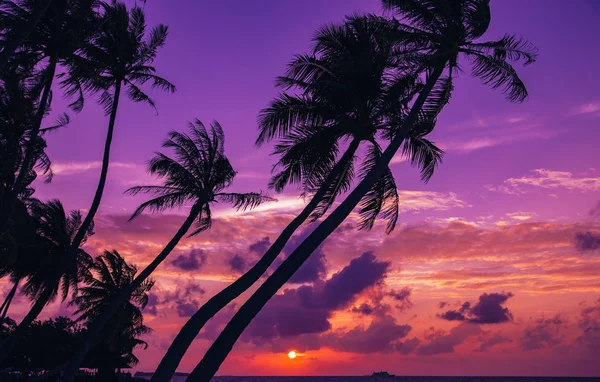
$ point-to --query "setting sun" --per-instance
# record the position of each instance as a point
(292, 354)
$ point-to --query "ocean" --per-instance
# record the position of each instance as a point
(181, 378)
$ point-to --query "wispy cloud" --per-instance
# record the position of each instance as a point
(549, 179)
(429, 200)
(71, 168)
(588, 108)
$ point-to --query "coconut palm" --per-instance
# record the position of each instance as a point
(14, 37)
(109, 274)
(62, 30)
(197, 176)
(352, 100)
(56, 272)
(119, 58)
(439, 33)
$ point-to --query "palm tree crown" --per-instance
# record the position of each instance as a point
(56, 230)
(198, 175)
(346, 90)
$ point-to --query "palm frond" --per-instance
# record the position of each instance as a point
(245, 201)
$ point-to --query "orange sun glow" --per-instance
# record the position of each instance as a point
(292, 354)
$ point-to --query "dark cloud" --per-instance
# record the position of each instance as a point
(186, 309)
(589, 323)
(152, 305)
(441, 342)
(237, 264)
(379, 337)
(364, 309)
(313, 269)
(587, 241)
(215, 325)
(407, 346)
(184, 300)
(544, 333)
(261, 246)
(402, 298)
(488, 342)
(307, 309)
(193, 261)
(442, 304)
(489, 309)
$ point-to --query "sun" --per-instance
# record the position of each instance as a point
(292, 354)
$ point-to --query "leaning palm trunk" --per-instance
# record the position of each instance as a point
(8, 300)
(192, 327)
(100, 322)
(29, 149)
(44, 298)
(10, 48)
(217, 353)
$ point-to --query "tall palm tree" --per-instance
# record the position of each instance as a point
(119, 57)
(352, 100)
(14, 37)
(438, 34)
(198, 175)
(109, 274)
(62, 29)
(56, 230)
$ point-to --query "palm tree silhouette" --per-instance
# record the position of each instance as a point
(119, 57)
(439, 32)
(56, 230)
(19, 33)
(61, 31)
(109, 274)
(198, 176)
(348, 98)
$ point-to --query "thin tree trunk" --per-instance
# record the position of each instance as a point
(83, 229)
(217, 353)
(17, 187)
(10, 48)
(100, 322)
(72, 251)
(10, 343)
(192, 327)
(8, 300)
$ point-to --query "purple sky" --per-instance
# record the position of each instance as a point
(517, 183)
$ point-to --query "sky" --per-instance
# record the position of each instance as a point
(493, 268)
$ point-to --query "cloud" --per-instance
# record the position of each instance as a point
(195, 259)
(589, 323)
(378, 337)
(71, 168)
(488, 342)
(261, 246)
(441, 342)
(545, 333)
(548, 179)
(587, 108)
(402, 298)
(152, 305)
(313, 269)
(595, 211)
(428, 200)
(487, 310)
(184, 299)
(237, 264)
(308, 308)
(587, 241)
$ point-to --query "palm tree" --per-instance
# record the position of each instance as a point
(56, 230)
(119, 57)
(198, 175)
(109, 274)
(351, 100)
(61, 31)
(439, 32)
(14, 38)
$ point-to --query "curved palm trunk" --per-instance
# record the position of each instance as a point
(10, 343)
(100, 322)
(192, 327)
(29, 149)
(11, 47)
(217, 353)
(72, 251)
(8, 300)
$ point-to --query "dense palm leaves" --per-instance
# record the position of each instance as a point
(341, 93)
(458, 23)
(54, 272)
(109, 274)
(198, 175)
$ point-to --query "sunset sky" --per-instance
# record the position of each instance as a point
(494, 267)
